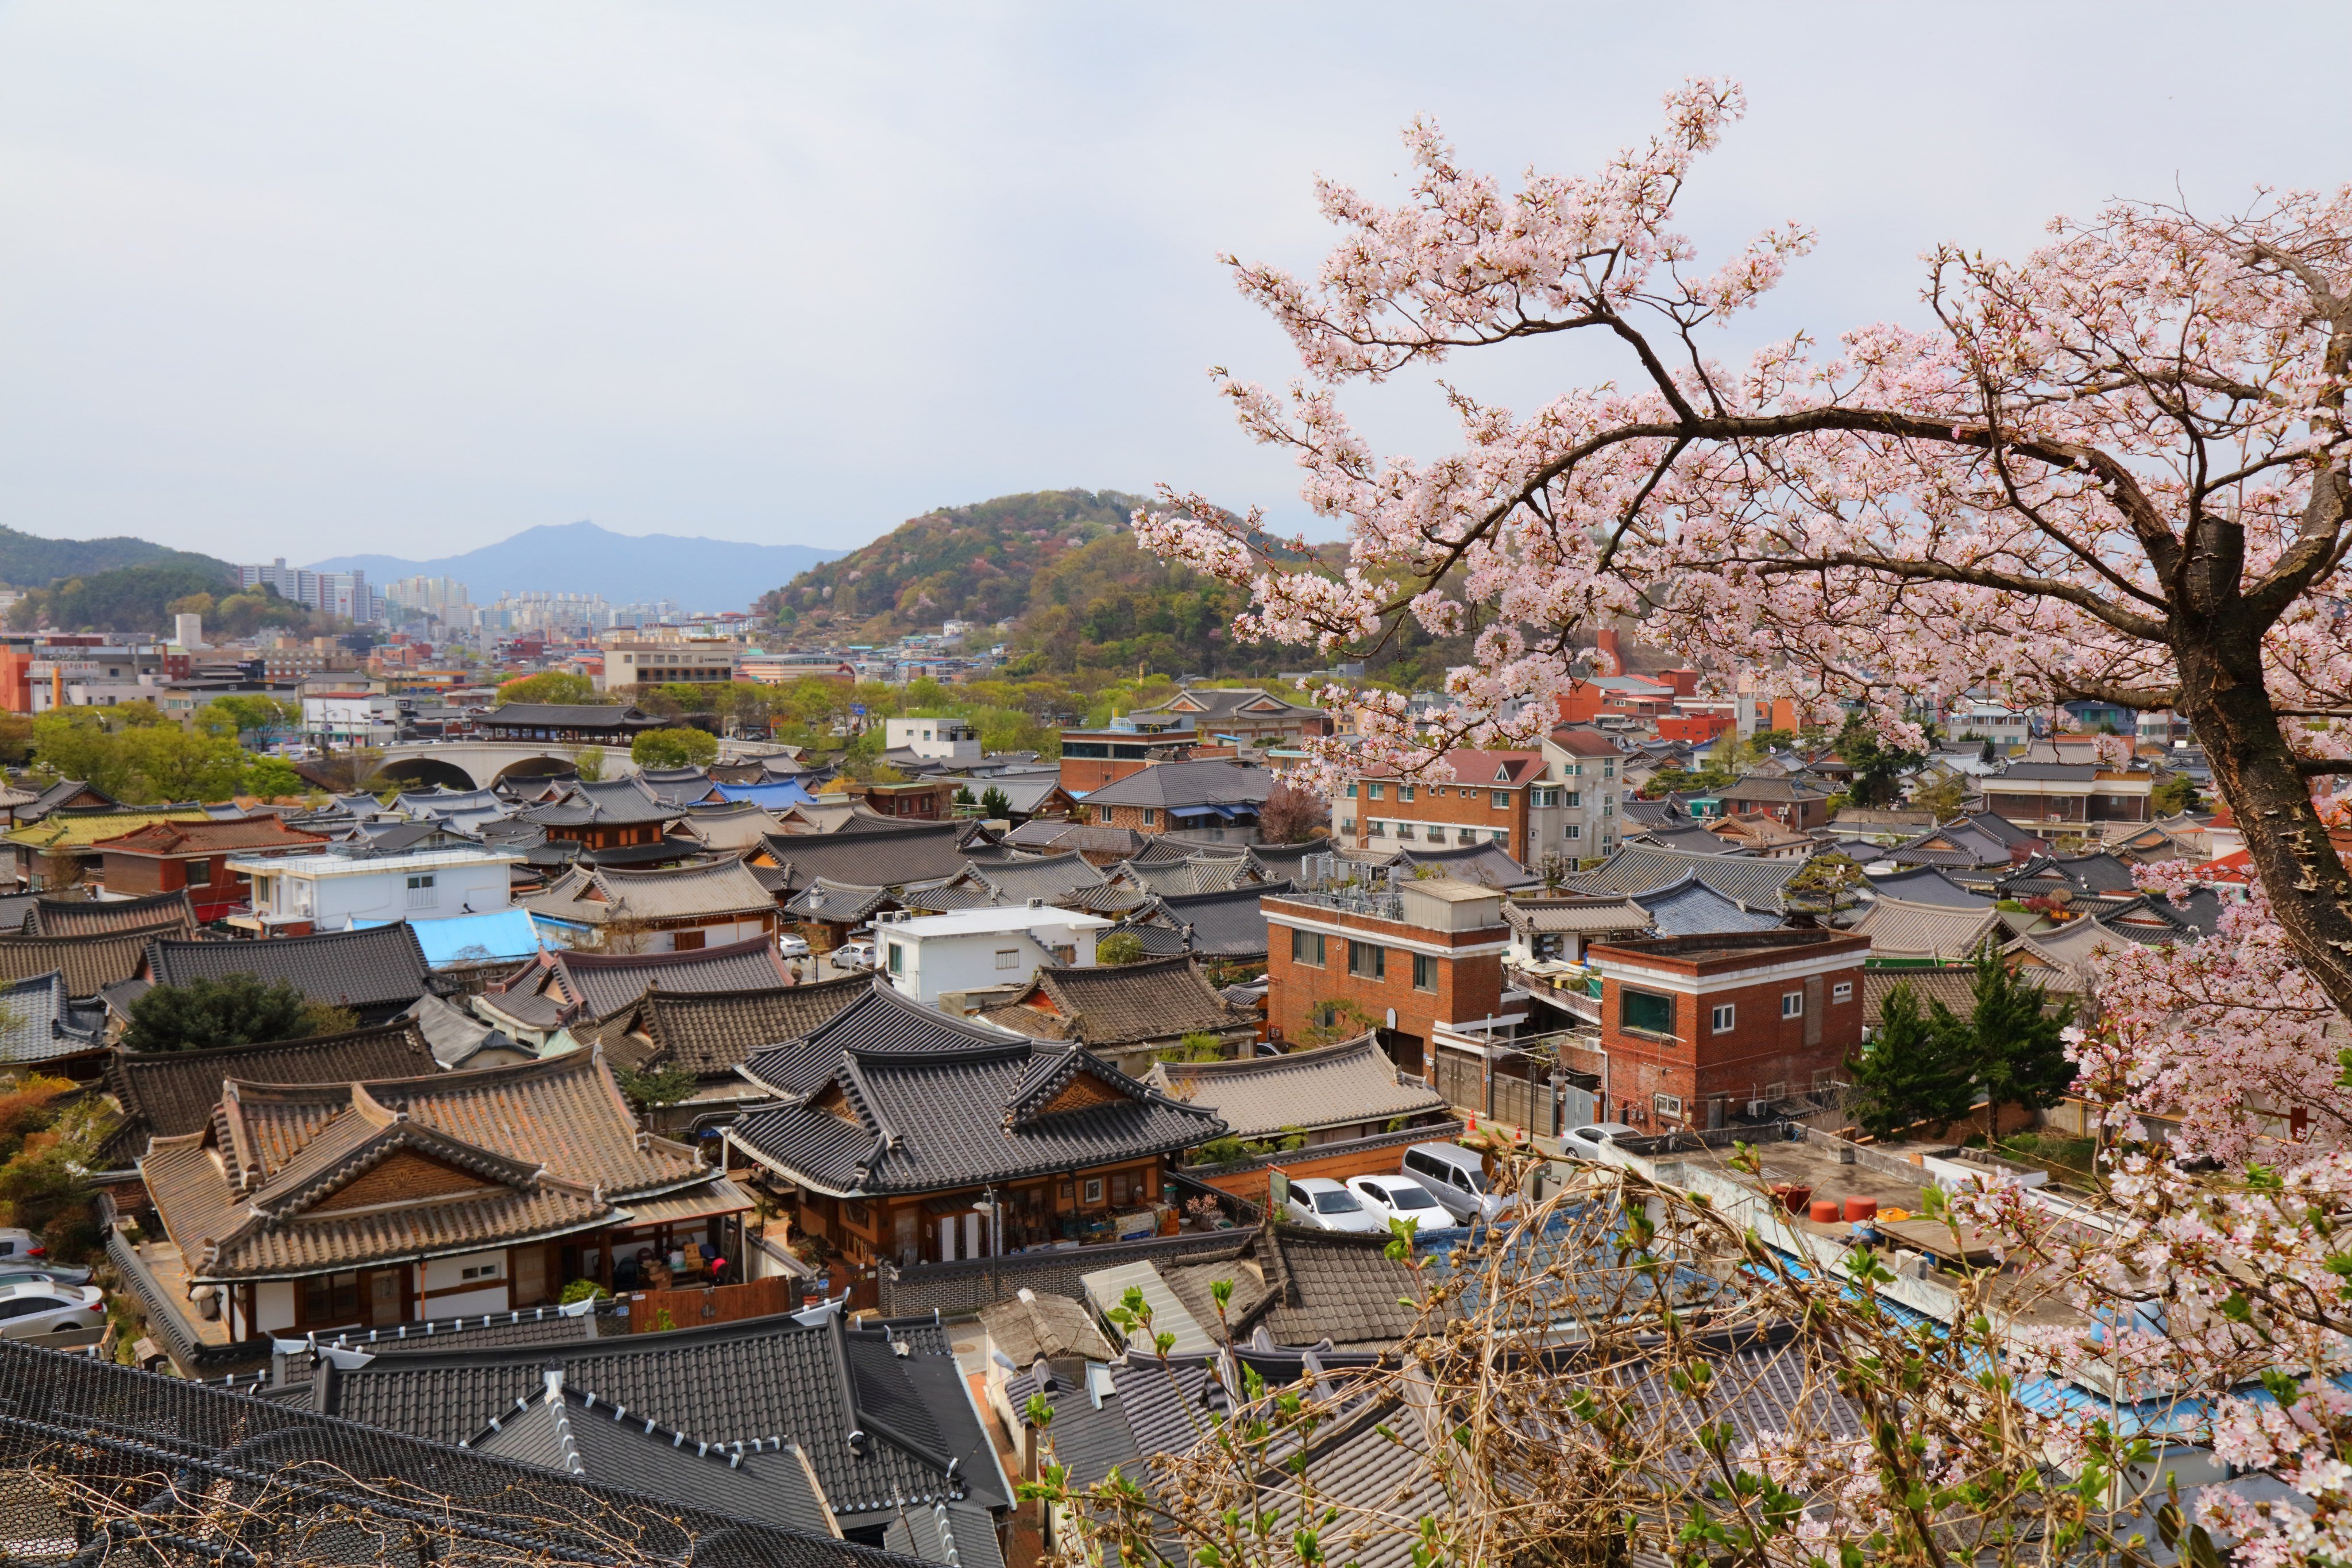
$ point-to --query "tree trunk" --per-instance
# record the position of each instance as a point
(2226, 700)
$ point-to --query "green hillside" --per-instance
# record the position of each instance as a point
(27, 562)
(1060, 566)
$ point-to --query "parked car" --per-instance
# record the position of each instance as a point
(852, 956)
(1456, 1177)
(23, 1246)
(1387, 1198)
(1320, 1202)
(45, 1307)
(793, 946)
(1587, 1142)
(14, 1273)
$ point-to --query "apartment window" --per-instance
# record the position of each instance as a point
(1425, 971)
(898, 959)
(1405, 792)
(1347, 825)
(199, 873)
(1609, 771)
(1500, 836)
(1352, 789)
(1405, 830)
(1006, 957)
(1646, 1011)
(1575, 797)
(1841, 991)
(1500, 800)
(1726, 1014)
(1669, 1107)
(1306, 947)
(1543, 798)
(1574, 770)
(1573, 831)
(1792, 1004)
(1368, 960)
(1608, 805)
(1374, 790)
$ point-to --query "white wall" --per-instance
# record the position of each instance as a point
(476, 890)
(934, 965)
(928, 738)
(487, 1294)
(273, 1307)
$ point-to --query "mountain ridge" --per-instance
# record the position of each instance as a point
(701, 574)
(29, 561)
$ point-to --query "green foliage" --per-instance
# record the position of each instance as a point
(994, 804)
(581, 1290)
(665, 1084)
(272, 778)
(1916, 1071)
(1823, 880)
(552, 686)
(1945, 794)
(2015, 1040)
(1119, 947)
(1225, 1150)
(1337, 1019)
(964, 795)
(589, 761)
(2175, 794)
(675, 749)
(32, 563)
(126, 599)
(1876, 765)
(136, 756)
(239, 714)
(234, 1010)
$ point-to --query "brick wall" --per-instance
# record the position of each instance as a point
(1763, 1048)
(1467, 988)
(1454, 805)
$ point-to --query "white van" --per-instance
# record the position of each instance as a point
(1457, 1176)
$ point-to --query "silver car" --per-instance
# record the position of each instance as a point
(45, 1307)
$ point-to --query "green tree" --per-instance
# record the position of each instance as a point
(2175, 794)
(1877, 766)
(2015, 1037)
(245, 714)
(272, 778)
(995, 805)
(551, 686)
(1916, 1071)
(664, 1084)
(1945, 794)
(589, 761)
(678, 748)
(964, 795)
(168, 763)
(234, 1010)
(1119, 947)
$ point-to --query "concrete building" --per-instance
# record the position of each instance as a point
(351, 718)
(926, 957)
(294, 895)
(946, 739)
(637, 660)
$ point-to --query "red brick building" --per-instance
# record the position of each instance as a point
(165, 856)
(1093, 758)
(1428, 952)
(1489, 801)
(1696, 1026)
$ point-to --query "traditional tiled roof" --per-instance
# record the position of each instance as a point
(2096, 872)
(716, 1032)
(879, 1021)
(90, 963)
(735, 827)
(1200, 875)
(1953, 984)
(888, 857)
(57, 797)
(1112, 844)
(1054, 879)
(457, 1038)
(838, 902)
(1926, 885)
(1108, 1005)
(679, 786)
(381, 966)
(1331, 1086)
(537, 1149)
(1033, 1325)
(570, 1430)
(1221, 925)
(1533, 916)
(168, 839)
(602, 985)
(1304, 1287)
(69, 831)
(1639, 868)
(107, 917)
(765, 1381)
(1900, 928)
(889, 1122)
(1691, 907)
(38, 1023)
(366, 1478)
(570, 715)
(1488, 865)
(613, 803)
(1170, 785)
(1691, 839)
(600, 895)
(1757, 787)
(168, 1094)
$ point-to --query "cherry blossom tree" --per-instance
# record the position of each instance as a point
(2115, 469)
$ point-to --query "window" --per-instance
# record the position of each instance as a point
(1425, 971)
(1609, 769)
(1574, 770)
(1646, 1011)
(1352, 789)
(1573, 831)
(1405, 792)
(1726, 1014)
(898, 958)
(1150, 816)
(1500, 800)
(1792, 1004)
(1347, 825)
(1368, 960)
(1544, 798)
(200, 873)
(421, 893)
(1405, 830)
(479, 1270)
(1006, 957)
(1306, 947)
(1374, 791)
(1841, 991)
(1608, 805)
(331, 1298)
(1575, 797)
(1667, 1105)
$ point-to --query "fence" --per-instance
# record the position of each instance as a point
(698, 1307)
(169, 1327)
(1245, 1180)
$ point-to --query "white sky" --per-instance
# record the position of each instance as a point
(313, 277)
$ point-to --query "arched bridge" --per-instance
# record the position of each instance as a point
(478, 764)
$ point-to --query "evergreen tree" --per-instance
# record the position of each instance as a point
(994, 804)
(234, 1010)
(1917, 1070)
(2014, 1040)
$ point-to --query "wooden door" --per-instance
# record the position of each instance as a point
(385, 1299)
(527, 1270)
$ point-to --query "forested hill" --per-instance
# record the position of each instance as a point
(27, 562)
(1058, 565)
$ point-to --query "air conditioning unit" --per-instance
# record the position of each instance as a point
(1757, 1109)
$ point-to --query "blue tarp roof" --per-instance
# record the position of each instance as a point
(784, 794)
(472, 939)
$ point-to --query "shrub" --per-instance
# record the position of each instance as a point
(582, 1291)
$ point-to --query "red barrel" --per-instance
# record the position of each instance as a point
(1861, 1208)
(1824, 1211)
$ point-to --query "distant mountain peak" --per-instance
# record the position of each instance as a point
(702, 575)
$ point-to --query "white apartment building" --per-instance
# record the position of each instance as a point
(926, 957)
(351, 718)
(653, 661)
(950, 740)
(1574, 813)
(327, 891)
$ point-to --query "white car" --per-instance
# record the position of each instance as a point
(33, 1274)
(20, 1248)
(793, 946)
(1321, 1204)
(852, 956)
(1587, 1142)
(31, 1309)
(1387, 1198)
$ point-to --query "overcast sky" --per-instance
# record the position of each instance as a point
(310, 279)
